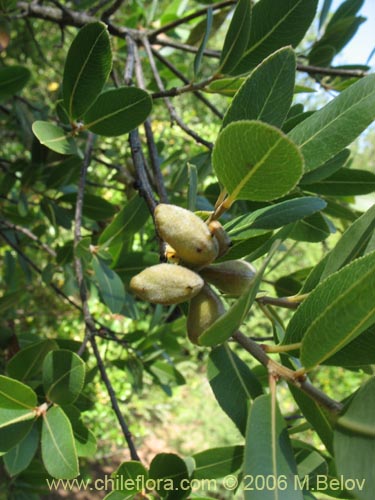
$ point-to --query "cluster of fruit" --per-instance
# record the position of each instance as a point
(192, 247)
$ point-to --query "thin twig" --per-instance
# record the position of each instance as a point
(103, 373)
(29, 234)
(172, 111)
(281, 371)
(278, 301)
(185, 80)
(185, 19)
(168, 42)
(129, 66)
(331, 71)
(112, 9)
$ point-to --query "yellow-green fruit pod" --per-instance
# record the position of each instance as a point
(187, 234)
(166, 284)
(232, 277)
(204, 309)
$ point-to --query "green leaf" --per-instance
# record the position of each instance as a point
(94, 207)
(58, 449)
(348, 8)
(202, 46)
(352, 244)
(231, 320)
(85, 441)
(118, 111)
(130, 474)
(19, 457)
(248, 158)
(233, 384)
(324, 12)
(87, 68)
(110, 285)
(167, 373)
(126, 223)
(359, 352)
(268, 452)
(28, 361)
(354, 442)
(173, 472)
(237, 37)
(267, 94)
(17, 412)
(63, 376)
(225, 86)
(345, 182)
(313, 229)
(338, 310)
(12, 80)
(217, 462)
(323, 134)
(327, 169)
(275, 216)
(275, 25)
(55, 138)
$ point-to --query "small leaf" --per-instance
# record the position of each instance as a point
(173, 472)
(58, 449)
(55, 138)
(167, 373)
(324, 12)
(237, 37)
(110, 285)
(267, 94)
(118, 111)
(233, 384)
(354, 442)
(63, 376)
(337, 311)
(18, 458)
(268, 452)
(87, 68)
(345, 182)
(85, 441)
(225, 86)
(218, 462)
(202, 47)
(275, 25)
(313, 229)
(131, 474)
(28, 361)
(323, 134)
(127, 222)
(255, 161)
(327, 169)
(12, 80)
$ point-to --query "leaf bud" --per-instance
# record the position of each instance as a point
(204, 309)
(187, 234)
(222, 237)
(166, 284)
(232, 277)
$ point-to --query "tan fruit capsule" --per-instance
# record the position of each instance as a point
(187, 234)
(166, 284)
(204, 309)
(232, 277)
(221, 236)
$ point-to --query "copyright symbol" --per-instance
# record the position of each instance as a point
(230, 482)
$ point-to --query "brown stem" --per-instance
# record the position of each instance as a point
(30, 235)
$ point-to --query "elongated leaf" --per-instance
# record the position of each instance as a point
(131, 218)
(275, 25)
(217, 462)
(63, 376)
(348, 8)
(338, 310)
(268, 453)
(54, 137)
(12, 80)
(237, 37)
(359, 352)
(267, 94)
(352, 244)
(275, 216)
(202, 46)
(313, 229)
(249, 156)
(330, 167)
(58, 449)
(231, 320)
(28, 361)
(354, 442)
(225, 86)
(87, 68)
(323, 134)
(345, 182)
(18, 458)
(110, 285)
(324, 12)
(233, 384)
(118, 111)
